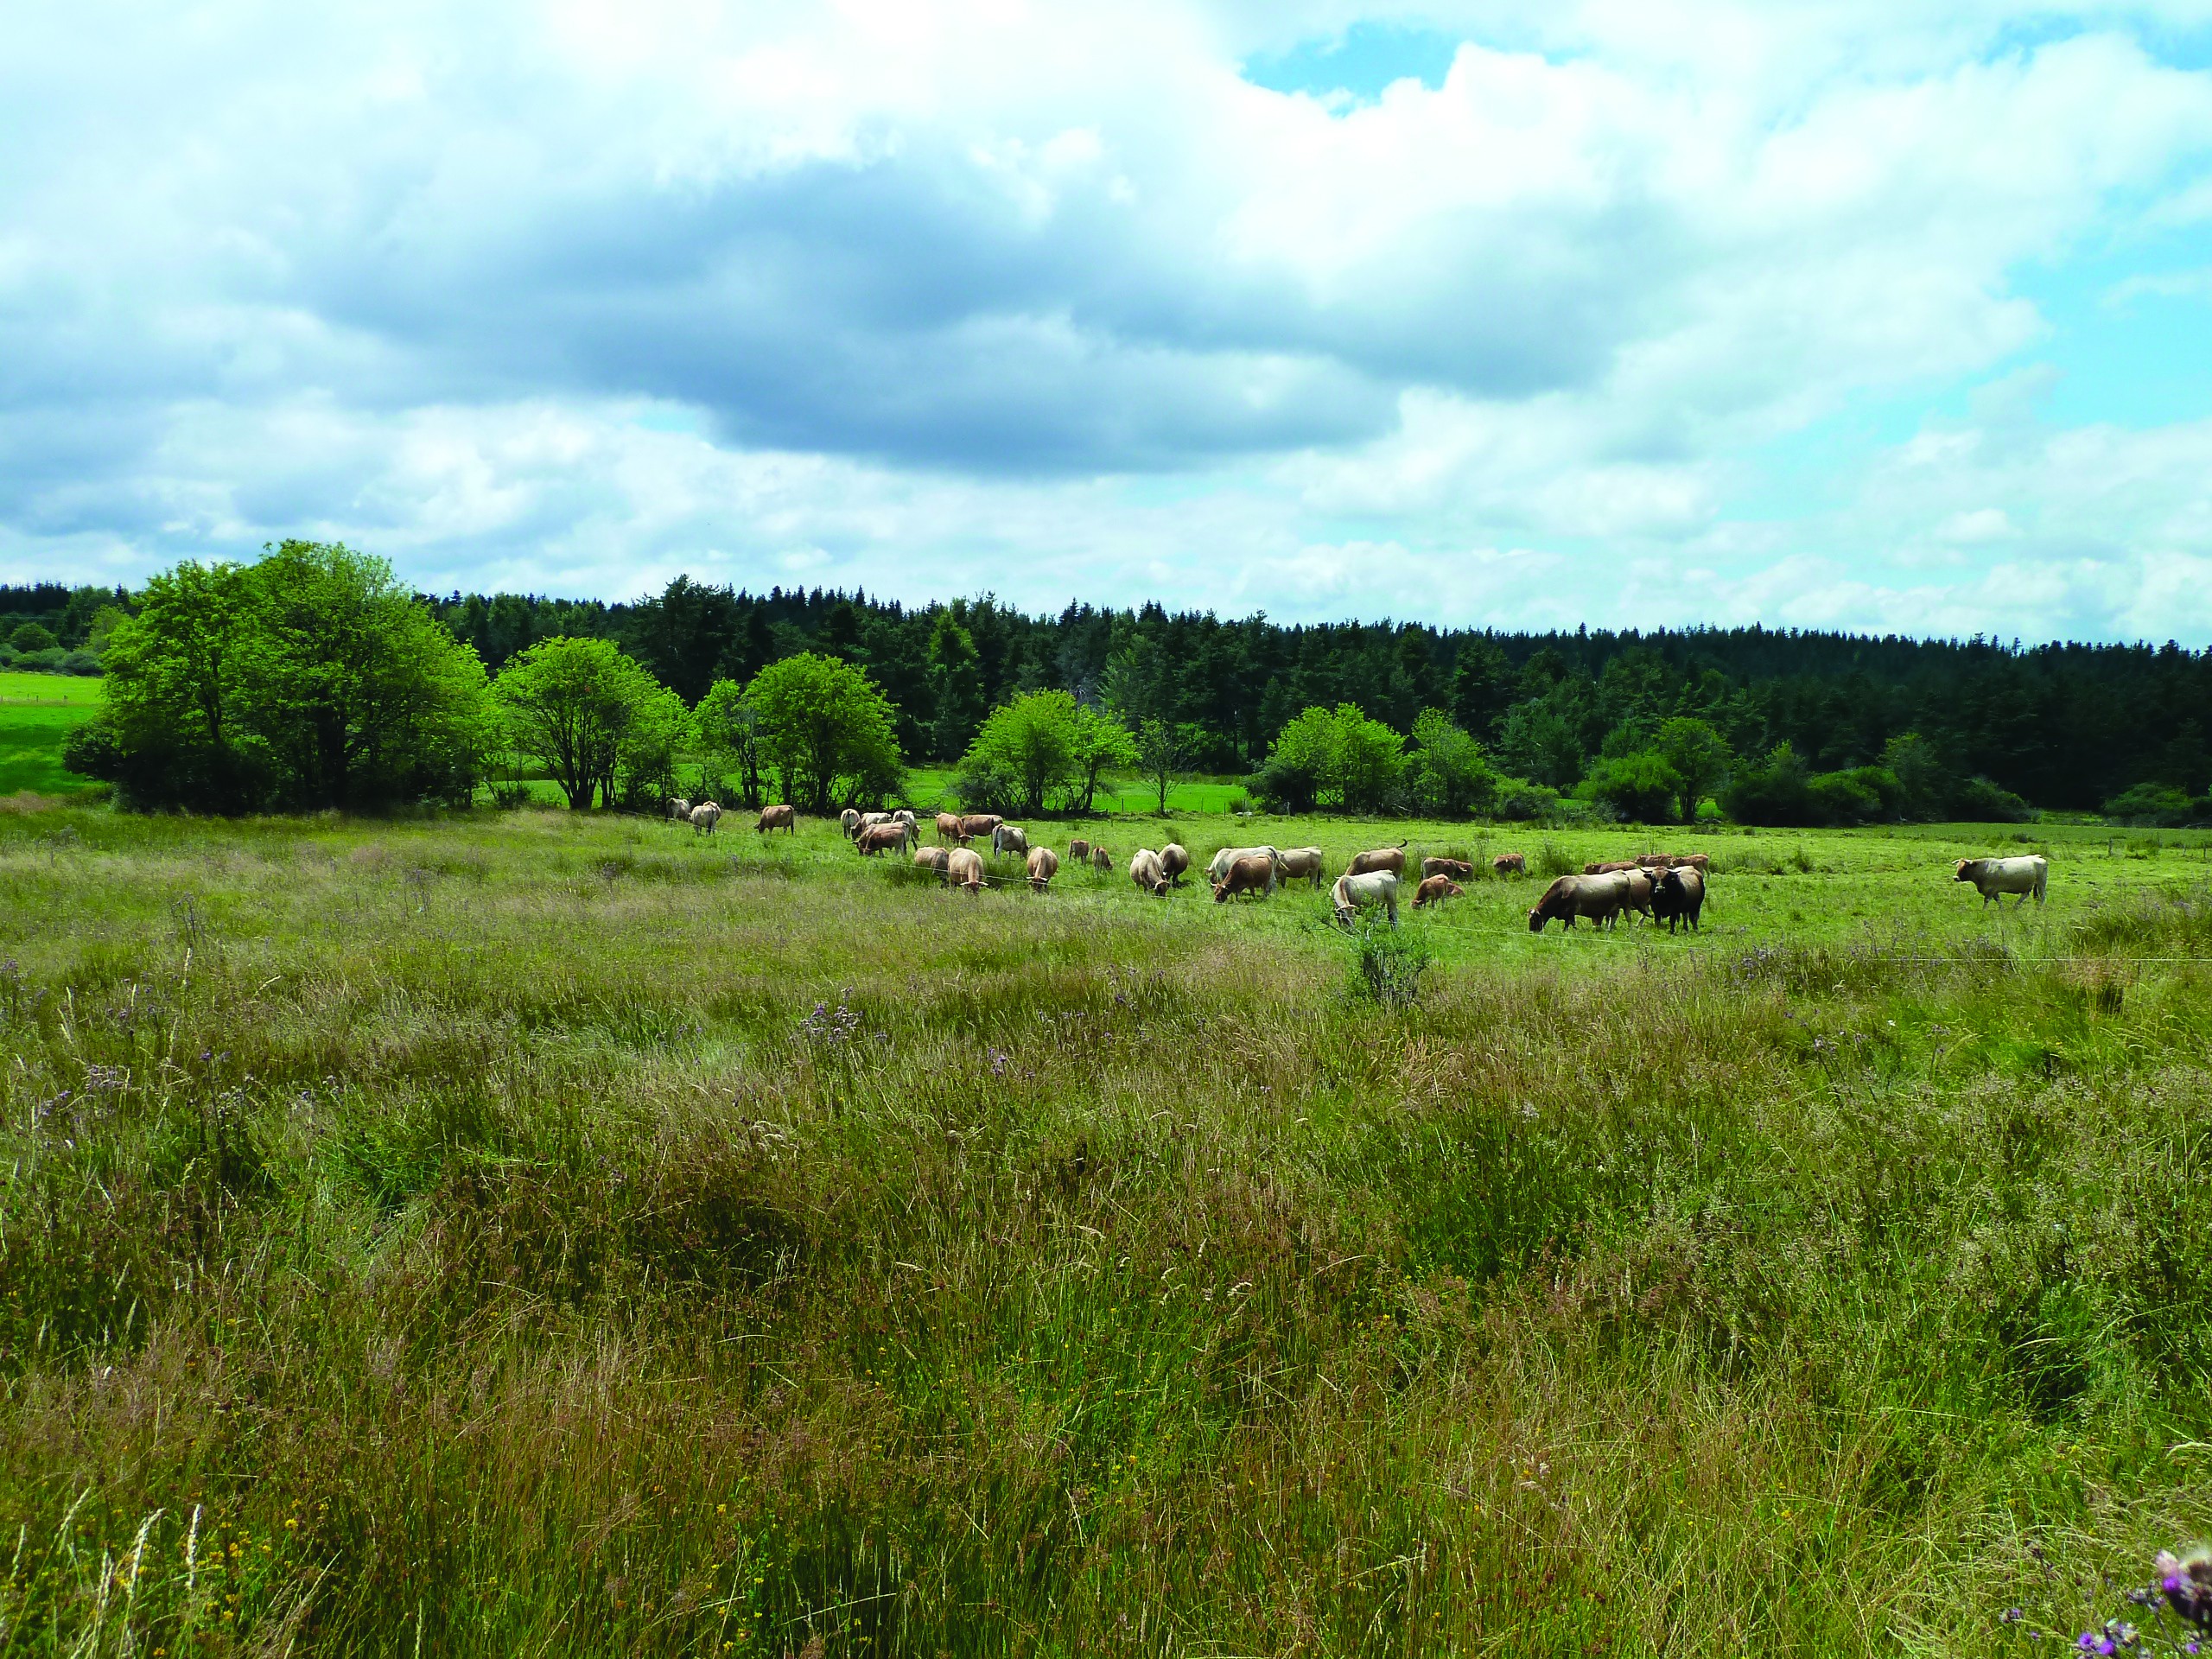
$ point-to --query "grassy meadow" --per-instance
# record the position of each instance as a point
(545, 1233)
(37, 711)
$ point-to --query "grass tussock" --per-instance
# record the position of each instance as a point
(523, 1236)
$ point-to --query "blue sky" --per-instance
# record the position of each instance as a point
(1872, 315)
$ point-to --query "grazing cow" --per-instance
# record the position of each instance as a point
(948, 829)
(1354, 893)
(1641, 884)
(1679, 897)
(1044, 865)
(965, 868)
(979, 823)
(850, 821)
(1009, 838)
(1145, 871)
(1691, 861)
(1303, 861)
(1175, 862)
(1253, 874)
(1392, 858)
(881, 838)
(931, 858)
(1435, 889)
(1218, 872)
(1597, 898)
(1611, 868)
(680, 809)
(1994, 877)
(903, 816)
(777, 817)
(1079, 851)
(1100, 859)
(1510, 864)
(1457, 868)
(704, 818)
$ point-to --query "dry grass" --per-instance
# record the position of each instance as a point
(534, 1235)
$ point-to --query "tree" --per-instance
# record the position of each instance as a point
(956, 682)
(1777, 790)
(1033, 741)
(825, 731)
(569, 703)
(728, 730)
(1700, 758)
(1449, 776)
(31, 636)
(1639, 786)
(1097, 743)
(1333, 758)
(1164, 748)
(1482, 685)
(645, 759)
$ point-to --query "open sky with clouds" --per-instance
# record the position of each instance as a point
(1888, 315)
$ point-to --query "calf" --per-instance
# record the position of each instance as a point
(1253, 874)
(1435, 889)
(1044, 865)
(1510, 864)
(778, 817)
(1100, 859)
(1079, 851)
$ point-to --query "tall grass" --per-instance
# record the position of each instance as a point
(520, 1236)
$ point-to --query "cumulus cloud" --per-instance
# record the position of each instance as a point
(1056, 301)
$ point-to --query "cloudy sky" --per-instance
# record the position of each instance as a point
(1888, 315)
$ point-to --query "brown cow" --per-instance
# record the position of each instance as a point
(1457, 868)
(1078, 851)
(932, 858)
(947, 829)
(1510, 864)
(778, 817)
(1654, 861)
(1253, 874)
(1435, 889)
(1612, 868)
(1100, 859)
(1392, 858)
(979, 823)
(1174, 861)
(1700, 861)
(881, 838)
(1145, 871)
(1640, 884)
(1600, 897)
(965, 868)
(1307, 861)
(1044, 865)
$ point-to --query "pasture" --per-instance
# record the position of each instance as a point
(37, 711)
(559, 1234)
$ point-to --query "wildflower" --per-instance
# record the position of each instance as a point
(2187, 1580)
(999, 1057)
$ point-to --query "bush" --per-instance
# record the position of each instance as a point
(1388, 965)
(1552, 862)
(981, 785)
(32, 637)
(1774, 790)
(1980, 801)
(1523, 803)
(1335, 757)
(1640, 786)
(2158, 804)
(81, 663)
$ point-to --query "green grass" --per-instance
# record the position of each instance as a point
(37, 711)
(542, 1232)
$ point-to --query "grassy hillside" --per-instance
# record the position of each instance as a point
(37, 711)
(556, 1234)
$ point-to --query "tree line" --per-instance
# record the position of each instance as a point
(314, 678)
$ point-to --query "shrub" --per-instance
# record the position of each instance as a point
(2159, 804)
(1335, 757)
(1775, 791)
(1523, 802)
(1640, 786)
(1388, 965)
(32, 637)
(1981, 801)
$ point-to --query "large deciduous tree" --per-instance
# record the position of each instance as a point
(825, 731)
(571, 704)
(1699, 758)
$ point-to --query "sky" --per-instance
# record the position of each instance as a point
(1890, 315)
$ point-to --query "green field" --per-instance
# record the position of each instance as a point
(560, 1233)
(37, 711)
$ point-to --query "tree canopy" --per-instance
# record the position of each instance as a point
(826, 731)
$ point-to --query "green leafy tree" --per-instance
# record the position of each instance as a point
(729, 731)
(1097, 743)
(1031, 739)
(1699, 757)
(955, 682)
(1164, 751)
(825, 731)
(1333, 758)
(1449, 776)
(1776, 789)
(569, 704)
(32, 636)
(660, 730)
(1482, 685)
(1640, 786)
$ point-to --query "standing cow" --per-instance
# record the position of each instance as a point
(1100, 859)
(1354, 893)
(1009, 838)
(1510, 864)
(1145, 871)
(679, 811)
(1597, 899)
(850, 821)
(932, 858)
(1680, 897)
(785, 817)
(1044, 865)
(1303, 863)
(1079, 851)
(704, 818)
(1995, 877)
(881, 838)
(1392, 858)
(963, 868)
(1253, 874)
(947, 829)
(1435, 889)
(1459, 869)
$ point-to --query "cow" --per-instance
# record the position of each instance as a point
(1698, 861)
(963, 868)
(947, 829)
(904, 816)
(1457, 868)
(679, 810)
(1435, 889)
(704, 818)
(871, 820)
(850, 821)
(1044, 865)
(1613, 867)
(931, 859)
(1009, 838)
(1353, 894)
(1995, 877)
(1303, 861)
(1680, 896)
(1175, 862)
(1253, 874)
(1392, 858)
(881, 838)
(1100, 859)
(1079, 851)
(1218, 871)
(1145, 871)
(1510, 864)
(785, 817)
(978, 823)
(1597, 898)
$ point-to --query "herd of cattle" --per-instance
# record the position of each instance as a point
(1659, 886)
